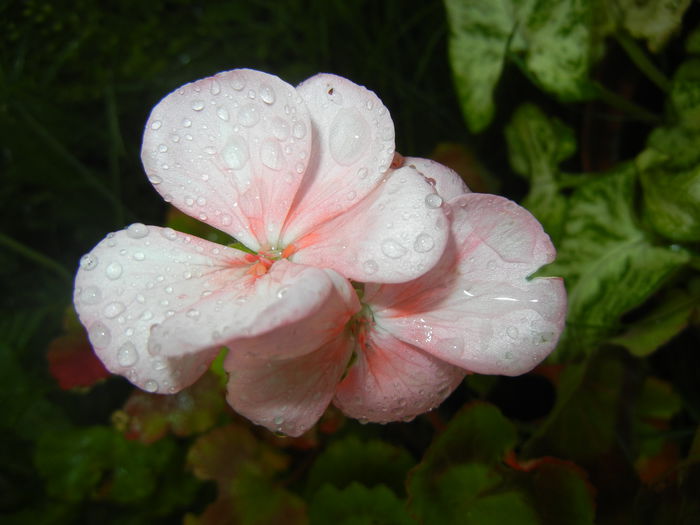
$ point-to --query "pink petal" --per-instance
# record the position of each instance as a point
(353, 145)
(287, 312)
(392, 380)
(287, 395)
(230, 150)
(135, 279)
(477, 309)
(448, 184)
(397, 233)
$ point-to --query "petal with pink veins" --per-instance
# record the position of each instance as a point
(477, 309)
(395, 234)
(285, 313)
(136, 279)
(392, 380)
(448, 184)
(353, 146)
(287, 395)
(230, 150)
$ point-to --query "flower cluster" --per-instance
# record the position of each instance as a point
(371, 281)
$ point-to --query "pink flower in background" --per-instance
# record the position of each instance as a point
(302, 178)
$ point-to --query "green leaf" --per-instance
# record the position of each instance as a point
(358, 505)
(536, 146)
(560, 46)
(655, 406)
(479, 35)
(369, 463)
(98, 462)
(685, 94)
(667, 320)
(651, 20)
(609, 264)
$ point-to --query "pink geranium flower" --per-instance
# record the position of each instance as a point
(302, 177)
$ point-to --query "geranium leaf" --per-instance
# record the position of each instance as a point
(357, 505)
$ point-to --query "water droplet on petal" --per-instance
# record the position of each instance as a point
(137, 230)
(222, 113)
(370, 266)
(423, 243)
(393, 249)
(299, 130)
(91, 295)
(198, 105)
(433, 200)
(271, 154)
(282, 292)
(362, 173)
(267, 94)
(127, 355)
(112, 310)
(512, 332)
(139, 256)
(280, 128)
(215, 87)
(278, 420)
(169, 234)
(186, 123)
(159, 363)
(235, 152)
(99, 335)
(155, 179)
(349, 136)
(150, 386)
(156, 124)
(194, 314)
(226, 219)
(88, 261)
(237, 82)
(249, 115)
(114, 270)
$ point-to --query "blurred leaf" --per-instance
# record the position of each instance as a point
(536, 146)
(463, 479)
(561, 45)
(651, 20)
(358, 505)
(370, 463)
(97, 462)
(479, 35)
(609, 265)
(191, 411)
(668, 318)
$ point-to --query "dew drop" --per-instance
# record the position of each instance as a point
(280, 128)
(237, 82)
(282, 292)
(150, 386)
(226, 219)
(267, 94)
(187, 123)
(235, 152)
(278, 420)
(512, 332)
(156, 124)
(215, 87)
(349, 136)
(433, 201)
(114, 271)
(198, 105)
(162, 148)
(155, 179)
(91, 295)
(169, 234)
(222, 113)
(271, 154)
(393, 249)
(139, 256)
(370, 266)
(88, 261)
(299, 130)
(112, 310)
(210, 150)
(159, 363)
(423, 243)
(193, 314)
(127, 355)
(137, 230)
(99, 334)
(249, 115)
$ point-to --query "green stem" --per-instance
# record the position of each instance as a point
(35, 256)
(617, 101)
(642, 61)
